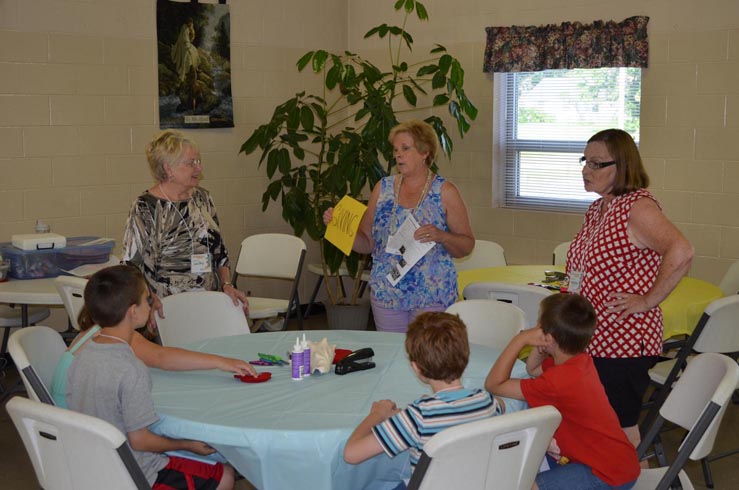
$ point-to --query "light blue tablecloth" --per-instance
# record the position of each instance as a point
(286, 434)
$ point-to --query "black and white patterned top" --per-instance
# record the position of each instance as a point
(161, 236)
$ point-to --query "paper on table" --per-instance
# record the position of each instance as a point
(410, 250)
(342, 229)
(87, 270)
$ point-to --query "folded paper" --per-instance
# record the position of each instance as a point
(342, 229)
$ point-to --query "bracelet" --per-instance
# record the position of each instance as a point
(226, 283)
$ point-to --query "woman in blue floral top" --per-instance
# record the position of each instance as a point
(437, 207)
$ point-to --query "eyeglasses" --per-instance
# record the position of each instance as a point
(596, 165)
(195, 162)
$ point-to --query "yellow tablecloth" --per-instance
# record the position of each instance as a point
(682, 309)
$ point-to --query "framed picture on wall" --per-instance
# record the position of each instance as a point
(194, 58)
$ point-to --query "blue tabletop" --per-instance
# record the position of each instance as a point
(289, 434)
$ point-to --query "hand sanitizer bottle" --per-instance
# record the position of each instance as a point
(306, 357)
(296, 358)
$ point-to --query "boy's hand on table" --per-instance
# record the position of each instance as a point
(200, 448)
(384, 409)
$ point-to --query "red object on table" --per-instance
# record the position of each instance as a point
(339, 354)
(260, 378)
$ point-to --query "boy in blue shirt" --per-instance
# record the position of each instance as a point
(438, 350)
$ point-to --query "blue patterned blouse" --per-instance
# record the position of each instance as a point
(433, 280)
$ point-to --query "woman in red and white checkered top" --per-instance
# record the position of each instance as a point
(626, 259)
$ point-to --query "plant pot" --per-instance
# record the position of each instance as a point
(348, 317)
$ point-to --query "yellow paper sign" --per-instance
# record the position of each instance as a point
(343, 227)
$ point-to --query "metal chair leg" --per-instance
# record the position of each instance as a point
(707, 476)
(313, 296)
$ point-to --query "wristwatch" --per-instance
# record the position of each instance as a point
(225, 283)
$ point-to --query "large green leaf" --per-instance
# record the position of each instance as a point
(319, 60)
(426, 70)
(445, 62)
(283, 161)
(306, 118)
(421, 11)
(410, 95)
(304, 60)
(272, 162)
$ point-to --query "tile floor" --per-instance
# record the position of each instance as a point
(16, 472)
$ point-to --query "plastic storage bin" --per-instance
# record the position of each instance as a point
(37, 264)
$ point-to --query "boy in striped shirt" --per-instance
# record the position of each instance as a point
(438, 351)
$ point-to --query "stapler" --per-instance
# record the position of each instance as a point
(359, 360)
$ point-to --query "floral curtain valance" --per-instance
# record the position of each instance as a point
(567, 45)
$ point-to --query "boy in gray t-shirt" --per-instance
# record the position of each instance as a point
(108, 381)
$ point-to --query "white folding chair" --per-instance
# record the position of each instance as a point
(730, 282)
(502, 452)
(73, 451)
(72, 291)
(489, 322)
(559, 254)
(12, 317)
(272, 255)
(696, 403)
(198, 315)
(36, 352)
(525, 297)
(485, 254)
(717, 331)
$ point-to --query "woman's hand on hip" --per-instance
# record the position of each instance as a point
(625, 304)
(236, 295)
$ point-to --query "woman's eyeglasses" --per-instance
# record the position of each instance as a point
(595, 165)
(195, 162)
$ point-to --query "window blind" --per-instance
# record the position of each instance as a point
(549, 116)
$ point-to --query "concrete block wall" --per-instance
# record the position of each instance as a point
(689, 115)
(78, 104)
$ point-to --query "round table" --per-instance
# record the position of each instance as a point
(681, 309)
(291, 434)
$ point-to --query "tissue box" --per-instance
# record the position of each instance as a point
(37, 264)
(39, 241)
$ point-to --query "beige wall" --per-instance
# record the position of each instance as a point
(78, 86)
(690, 114)
(78, 103)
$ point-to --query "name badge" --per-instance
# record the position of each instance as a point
(200, 263)
(575, 282)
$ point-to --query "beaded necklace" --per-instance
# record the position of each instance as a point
(420, 200)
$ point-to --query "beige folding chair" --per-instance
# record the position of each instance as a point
(525, 297)
(697, 403)
(559, 254)
(717, 331)
(272, 255)
(730, 282)
(485, 254)
(74, 451)
(489, 322)
(502, 452)
(36, 352)
(72, 291)
(199, 315)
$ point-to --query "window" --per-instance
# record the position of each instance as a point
(546, 118)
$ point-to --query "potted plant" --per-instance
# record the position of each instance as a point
(317, 148)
